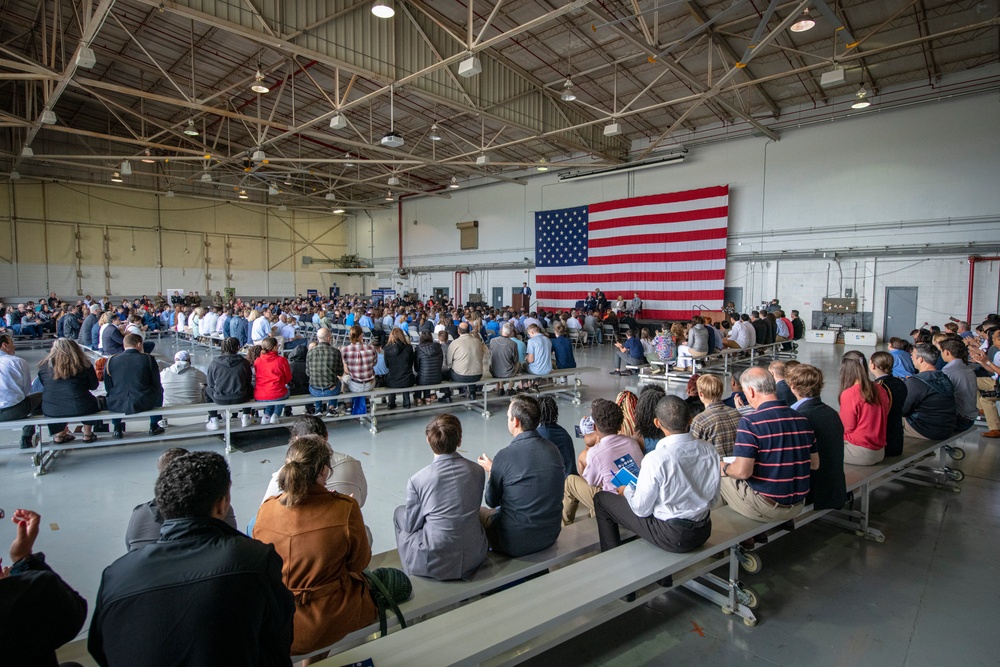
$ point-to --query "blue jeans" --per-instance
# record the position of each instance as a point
(323, 393)
(274, 409)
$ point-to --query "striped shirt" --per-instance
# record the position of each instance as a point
(780, 441)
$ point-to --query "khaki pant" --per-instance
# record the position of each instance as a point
(988, 405)
(857, 455)
(741, 497)
(912, 432)
(577, 491)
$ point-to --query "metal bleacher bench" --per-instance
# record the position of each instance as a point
(45, 453)
(724, 362)
(524, 620)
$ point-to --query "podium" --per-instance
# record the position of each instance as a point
(520, 302)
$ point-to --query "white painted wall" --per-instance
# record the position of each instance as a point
(926, 168)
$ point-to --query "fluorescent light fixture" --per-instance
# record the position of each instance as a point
(394, 180)
(170, 193)
(14, 176)
(338, 122)
(258, 84)
(148, 159)
(434, 136)
(483, 160)
(258, 155)
(272, 189)
(86, 58)
(383, 9)
(392, 139)
(243, 195)
(567, 94)
(206, 177)
(612, 129)
(388, 196)
(454, 183)
(862, 99)
(804, 23)
(126, 168)
(116, 178)
(348, 164)
(48, 117)
(331, 196)
(620, 169)
(543, 165)
(191, 130)
(470, 67)
(338, 211)
(27, 152)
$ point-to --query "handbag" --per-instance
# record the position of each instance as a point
(385, 598)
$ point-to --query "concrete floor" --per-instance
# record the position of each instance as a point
(927, 596)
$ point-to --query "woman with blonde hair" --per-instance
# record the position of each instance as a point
(68, 378)
(320, 536)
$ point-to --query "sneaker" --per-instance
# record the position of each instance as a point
(274, 419)
(213, 424)
(26, 443)
(245, 420)
(162, 423)
(157, 430)
(118, 435)
(333, 412)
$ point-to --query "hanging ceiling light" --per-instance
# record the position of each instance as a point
(331, 196)
(243, 195)
(383, 9)
(338, 211)
(258, 155)
(272, 189)
(804, 23)
(392, 139)
(170, 193)
(434, 136)
(148, 159)
(27, 152)
(126, 168)
(862, 99)
(394, 180)
(543, 165)
(191, 130)
(14, 176)
(282, 208)
(348, 164)
(454, 183)
(567, 94)
(48, 117)
(258, 84)
(206, 177)
(117, 178)
(388, 196)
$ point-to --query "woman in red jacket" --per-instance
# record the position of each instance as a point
(864, 411)
(273, 375)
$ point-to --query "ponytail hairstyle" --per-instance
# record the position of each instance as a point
(307, 456)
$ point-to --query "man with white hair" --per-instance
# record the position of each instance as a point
(775, 450)
(324, 366)
(87, 328)
(504, 357)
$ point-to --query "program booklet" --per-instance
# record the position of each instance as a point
(628, 471)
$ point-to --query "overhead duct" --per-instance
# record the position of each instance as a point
(621, 169)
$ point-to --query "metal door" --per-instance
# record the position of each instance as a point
(734, 294)
(498, 297)
(900, 312)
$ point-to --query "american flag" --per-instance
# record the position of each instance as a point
(670, 248)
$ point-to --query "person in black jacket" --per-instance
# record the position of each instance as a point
(428, 362)
(230, 381)
(39, 612)
(112, 339)
(399, 360)
(68, 378)
(132, 380)
(203, 594)
(929, 408)
(881, 366)
(827, 486)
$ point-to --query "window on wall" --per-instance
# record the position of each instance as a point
(468, 235)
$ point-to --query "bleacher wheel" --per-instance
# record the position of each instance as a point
(954, 474)
(956, 453)
(747, 596)
(726, 610)
(749, 561)
(749, 622)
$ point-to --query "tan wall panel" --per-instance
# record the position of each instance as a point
(121, 207)
(279, 256)
(30, 242)
(236, 219)
(247, 254)
(122, 254)
(182, 250)
(69, 203)
(28, 202)
(91, 245)
(61, 244)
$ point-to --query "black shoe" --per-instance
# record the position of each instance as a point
(501, 392)
(118, 435)
(157, 430)
(26, 443)
(102, 428)
(444, 399)
(615, 372)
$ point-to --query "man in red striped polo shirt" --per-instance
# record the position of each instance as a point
(774, 452)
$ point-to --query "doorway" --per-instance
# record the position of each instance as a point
(734, 294)
(497, 298)
(439, 293)
(900, 312)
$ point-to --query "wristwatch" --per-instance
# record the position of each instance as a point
(725, 467)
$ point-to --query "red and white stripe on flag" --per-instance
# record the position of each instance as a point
(668, 248)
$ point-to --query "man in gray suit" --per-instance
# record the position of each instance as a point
(438, 533)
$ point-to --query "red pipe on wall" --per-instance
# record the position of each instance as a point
(973, 260)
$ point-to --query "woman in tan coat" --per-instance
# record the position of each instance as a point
(321, 538)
